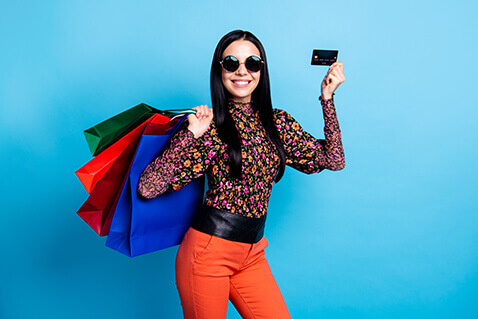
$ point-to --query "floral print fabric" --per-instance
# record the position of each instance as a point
(188, 158)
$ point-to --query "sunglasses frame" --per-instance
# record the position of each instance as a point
(256, 56)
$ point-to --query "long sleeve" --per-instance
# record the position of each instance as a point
(186, 159)
(306, 153)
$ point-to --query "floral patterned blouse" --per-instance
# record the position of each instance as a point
(188, 158)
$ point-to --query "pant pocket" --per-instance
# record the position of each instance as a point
(202, 243)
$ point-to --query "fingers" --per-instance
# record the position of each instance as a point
(333, 79)
(199, 122)
(203, 111)
(337, 70)
(337, 74)
(192, 118)
(337, 65)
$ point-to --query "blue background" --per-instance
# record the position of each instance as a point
(393, 235)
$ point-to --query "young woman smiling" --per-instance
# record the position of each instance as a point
(242, 144)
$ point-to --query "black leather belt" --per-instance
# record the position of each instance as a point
(227, 225)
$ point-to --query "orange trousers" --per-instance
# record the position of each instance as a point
(211, 270)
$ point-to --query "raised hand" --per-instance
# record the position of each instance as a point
(332, 80)
(199, 122)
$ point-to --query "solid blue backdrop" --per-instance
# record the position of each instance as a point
(393, 235)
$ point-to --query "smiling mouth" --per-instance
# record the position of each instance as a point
(240, 83)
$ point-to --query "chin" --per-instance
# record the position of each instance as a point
(239, 95)
(240, 98)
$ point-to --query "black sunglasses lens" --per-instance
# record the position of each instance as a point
(254, 63)
(230, 63)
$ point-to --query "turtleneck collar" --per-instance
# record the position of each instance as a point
(245, 107)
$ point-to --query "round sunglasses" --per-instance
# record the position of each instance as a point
(231, 63)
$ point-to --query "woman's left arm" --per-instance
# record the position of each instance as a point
(304, 152)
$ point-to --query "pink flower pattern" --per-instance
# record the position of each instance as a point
(188, 158)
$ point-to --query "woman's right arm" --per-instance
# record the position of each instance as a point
(187, 158)
(161, 174)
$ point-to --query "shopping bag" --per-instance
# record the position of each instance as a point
(98, 209)
(139, 225)
(97, 167)
(105, 133)
(100, 136)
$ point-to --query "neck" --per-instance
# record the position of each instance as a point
(239, 100)
(242, 106)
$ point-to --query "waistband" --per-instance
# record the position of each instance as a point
(230, 226)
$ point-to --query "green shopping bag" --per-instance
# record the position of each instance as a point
(102, 135)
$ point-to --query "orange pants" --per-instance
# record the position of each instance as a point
(211, 270)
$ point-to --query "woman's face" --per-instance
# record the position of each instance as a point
(242, 82)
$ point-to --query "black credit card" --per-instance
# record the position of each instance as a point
(324, 57)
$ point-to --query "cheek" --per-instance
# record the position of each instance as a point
(257, 80)
(225, 84)
(223, 78)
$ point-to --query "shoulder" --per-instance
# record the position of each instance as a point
(283, 120)
(279, 114)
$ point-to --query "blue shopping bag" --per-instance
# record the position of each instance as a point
(141, 226)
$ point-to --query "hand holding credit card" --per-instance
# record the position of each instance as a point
(324, 57)
(335, 74)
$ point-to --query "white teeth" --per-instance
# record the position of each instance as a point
(241, 82)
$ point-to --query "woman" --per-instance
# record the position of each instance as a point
(242, 149)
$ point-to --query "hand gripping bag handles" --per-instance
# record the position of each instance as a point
(139, 225)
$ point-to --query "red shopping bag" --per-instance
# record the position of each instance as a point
(97, 210)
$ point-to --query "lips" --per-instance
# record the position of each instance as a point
(240, 83)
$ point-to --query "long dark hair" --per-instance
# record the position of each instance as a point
(261, 101)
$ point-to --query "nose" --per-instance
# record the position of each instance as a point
(241, 70)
